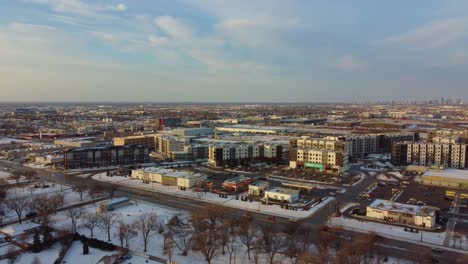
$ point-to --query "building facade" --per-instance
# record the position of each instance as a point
(145, 140)
(430, 154)
(243, 154)
(106, 156)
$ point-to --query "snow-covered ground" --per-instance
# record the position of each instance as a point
(365, 168)
(390, 231)
(396, 174)
(131, 213)
(383, 177)
(275, 210)
(46, 256)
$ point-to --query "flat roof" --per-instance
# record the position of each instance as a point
(447, 173)
(402, 208)
(283, 190)
(259, 184)
(238, 179)
(171, 172)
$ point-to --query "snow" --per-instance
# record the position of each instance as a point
(365, 168)
(383, 177)
(75, 253)
(46, 256)
(7, 140)
(255, 206)
(396, 174)
(390, 231)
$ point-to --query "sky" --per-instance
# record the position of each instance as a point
(233, 51)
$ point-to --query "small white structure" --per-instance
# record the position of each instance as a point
(282, 194)
(424, 216)
(258, 188)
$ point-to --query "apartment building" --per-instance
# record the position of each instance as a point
(460, 135)
(328, 154)
(166, 143)
(235, 154)
(148, 140)
(429, 154)
(103, 156)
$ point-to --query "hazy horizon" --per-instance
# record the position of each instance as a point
(207, 51)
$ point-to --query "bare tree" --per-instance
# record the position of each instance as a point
(18, 205)
(107, 221)
(74, 214)
(181, 235)
(43, 206)
(56, 201)
(207, 243)
(90, 221)
(16, 175)
(231, 247)
(271, 242)
(147, 225)
(292, 248)
(247, 234)
(81, 189)
(126, 232)
(2, 212)
(13, 256)
(29, 175)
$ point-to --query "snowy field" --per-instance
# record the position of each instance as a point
(390, 231)
(45, 256)
(255, 206)
(131, 213)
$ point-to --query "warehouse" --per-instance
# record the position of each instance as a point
(407, 214)
(448, 178)
(181, 179)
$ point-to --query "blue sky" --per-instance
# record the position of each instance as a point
(213, 50)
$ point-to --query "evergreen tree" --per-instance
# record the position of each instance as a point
(47, 235)
(37, 244)
(85, 248)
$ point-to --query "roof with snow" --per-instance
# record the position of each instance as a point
(448, 173)
(402, 208)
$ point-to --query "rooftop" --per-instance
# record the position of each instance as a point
(171, 172)
(283, 190)
(447, 173)
(402, 208)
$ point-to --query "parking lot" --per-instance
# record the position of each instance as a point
(430, 195)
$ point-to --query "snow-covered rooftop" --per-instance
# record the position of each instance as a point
(402, 208)
(448, 173)
(171, 172)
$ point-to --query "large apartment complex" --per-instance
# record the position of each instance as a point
(429, 154)
(329, 154)
(235, 154)
(104, 156)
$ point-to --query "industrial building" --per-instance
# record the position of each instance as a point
(235, 154)
(447, 178)
(424, 216)
(104, 156)
(179, 178)
(253, 129)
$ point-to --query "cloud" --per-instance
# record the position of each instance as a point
(351, 63)
(104, 36)
(173, 27)
(434, 35)
(121, 7)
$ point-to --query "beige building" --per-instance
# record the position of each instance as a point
(424, 216)
(282, 194)
(447, 178)
(148, 140)
(235, 154)
(181, 179)
(258, 188)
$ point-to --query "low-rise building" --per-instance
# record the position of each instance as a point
(179, 178)
(282, 194)
(49, 159)
(234, 184)
(447, 178)
(148, 140)
(424, 216)
(258, 188)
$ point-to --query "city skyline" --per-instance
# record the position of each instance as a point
(242, 51)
